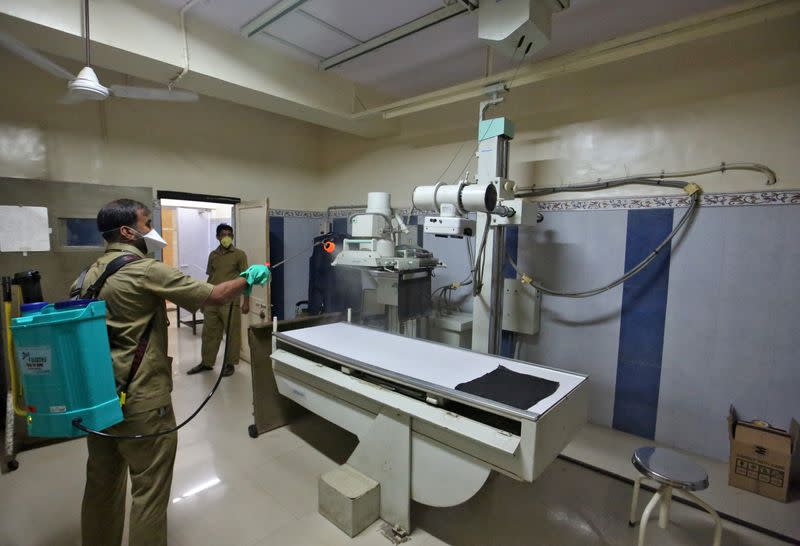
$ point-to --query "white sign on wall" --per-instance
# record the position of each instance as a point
(24, 229)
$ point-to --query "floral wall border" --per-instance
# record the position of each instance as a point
(789, 197)
(291, 213)
(738, 199)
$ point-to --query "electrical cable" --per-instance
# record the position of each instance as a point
(469, 254)
(519, 65)
(508, 87)
(480, 138)
(445, 293)
(410, 212)
(478, 267)
(77, 422)
(693, 204)
(461, 146)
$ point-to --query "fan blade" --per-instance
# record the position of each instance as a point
(151, 93)
(18, 48)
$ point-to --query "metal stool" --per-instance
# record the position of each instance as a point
(672, 471)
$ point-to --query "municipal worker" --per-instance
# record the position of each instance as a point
(137, 319)
(225, 262)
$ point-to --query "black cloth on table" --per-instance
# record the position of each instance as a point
(514, 389)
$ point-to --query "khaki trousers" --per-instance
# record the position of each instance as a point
(215, 324)
(149, 462)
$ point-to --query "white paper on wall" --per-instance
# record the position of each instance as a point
(24, 229)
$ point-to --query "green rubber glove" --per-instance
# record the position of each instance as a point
(255, 274)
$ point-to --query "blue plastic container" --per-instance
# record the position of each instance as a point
(27, 309)
(64, 360)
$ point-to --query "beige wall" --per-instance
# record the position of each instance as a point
(211, 146)
(734, 97)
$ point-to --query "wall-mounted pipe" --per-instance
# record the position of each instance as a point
(653, 179)
(186, 7)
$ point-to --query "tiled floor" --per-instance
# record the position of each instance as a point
(610, 450)
(232, 490)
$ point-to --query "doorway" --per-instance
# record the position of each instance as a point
(189, 227)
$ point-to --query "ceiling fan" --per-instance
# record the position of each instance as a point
(86, 86)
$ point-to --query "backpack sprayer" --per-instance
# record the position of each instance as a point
(63, 356)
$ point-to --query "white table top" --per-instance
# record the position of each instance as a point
(427, 361)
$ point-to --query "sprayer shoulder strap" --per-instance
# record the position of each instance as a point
(138, 356)
(93, 291)
(75, 293)
(113, 266)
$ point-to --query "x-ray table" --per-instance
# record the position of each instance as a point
(419, 437)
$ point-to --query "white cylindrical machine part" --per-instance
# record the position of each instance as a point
(466, 198)
(479, 198)
(380, 202)
(385, 248)
(448, 195)
(423, 197)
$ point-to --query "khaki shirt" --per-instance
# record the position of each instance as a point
(133, 295)
(225, 264)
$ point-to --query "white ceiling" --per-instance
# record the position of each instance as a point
(441, 55)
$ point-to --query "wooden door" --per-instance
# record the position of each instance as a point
(252, 236)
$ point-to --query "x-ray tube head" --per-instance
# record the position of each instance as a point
(465, 197)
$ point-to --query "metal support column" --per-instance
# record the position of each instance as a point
(494, 137)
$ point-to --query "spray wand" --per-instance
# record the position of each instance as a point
(328, 245)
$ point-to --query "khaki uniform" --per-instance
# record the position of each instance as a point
(133, 296)
(224, 264)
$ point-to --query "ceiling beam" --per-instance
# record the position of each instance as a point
(279, 10)
(433, 18)
(224, 65)
(675, 33)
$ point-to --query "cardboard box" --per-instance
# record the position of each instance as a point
(763, 458)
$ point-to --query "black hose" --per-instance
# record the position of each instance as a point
(77, 422)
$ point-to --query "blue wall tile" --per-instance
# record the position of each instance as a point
(643, 315)
(276, 254)
(340, 225)
(512, 245)
(299, 234)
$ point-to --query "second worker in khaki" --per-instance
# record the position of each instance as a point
(225, 262)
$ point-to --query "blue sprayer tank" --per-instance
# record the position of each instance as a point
(64, 360)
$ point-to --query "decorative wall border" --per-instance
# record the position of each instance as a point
(292, 213)
(789, 197)
(321, 215)
(738, 199)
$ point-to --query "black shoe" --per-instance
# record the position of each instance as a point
(227, 370)
(200, 368)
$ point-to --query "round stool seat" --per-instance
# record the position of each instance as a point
(670, 468)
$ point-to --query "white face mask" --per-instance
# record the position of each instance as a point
(153, 240)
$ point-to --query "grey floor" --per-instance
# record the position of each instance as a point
(232, 490)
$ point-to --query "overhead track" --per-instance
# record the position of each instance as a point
(433, 18)
(684, 31)
(279, 10)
